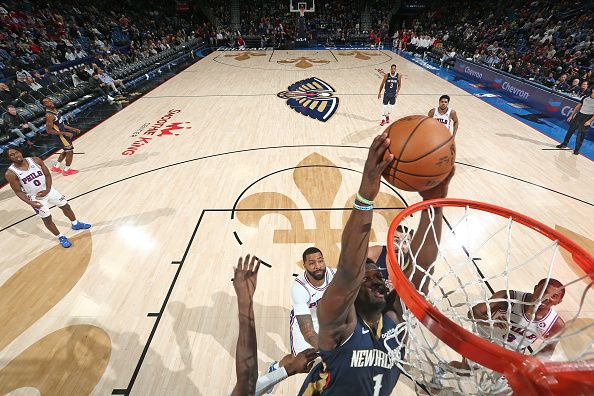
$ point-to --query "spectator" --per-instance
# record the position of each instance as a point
(69, 56)
(16, 124)
(111, 83)
(99, 87)
(8, 96)
(561, 84)
(575, 87)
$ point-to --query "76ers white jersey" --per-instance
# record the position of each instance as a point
(305, 298)
(445, 118)
(522, 331)
(32, 179)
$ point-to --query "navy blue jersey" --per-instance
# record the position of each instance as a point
(391, 85)
(360, 366)
(58, 121)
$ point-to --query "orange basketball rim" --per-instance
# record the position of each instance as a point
(525, 374)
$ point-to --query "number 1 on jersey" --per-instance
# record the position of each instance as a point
(377, 384)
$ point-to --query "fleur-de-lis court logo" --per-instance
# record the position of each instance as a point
(303, 62)
(363, 55)
(319, 181)
(311, 97)
(245, 55)
(68, 361)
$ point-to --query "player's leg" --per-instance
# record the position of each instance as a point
(69, 156)
(384, 114)
(46, 217)
(390, 108)
(54, 197)
(58, 164)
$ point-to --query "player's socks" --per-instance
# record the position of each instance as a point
(64, 241)
(78, 225)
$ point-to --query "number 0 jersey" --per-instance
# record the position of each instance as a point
(32, 179)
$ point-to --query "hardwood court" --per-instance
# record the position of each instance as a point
(213, 165)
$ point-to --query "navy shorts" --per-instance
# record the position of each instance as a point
(389, 99)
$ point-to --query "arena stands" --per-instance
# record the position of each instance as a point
(548, 42)
(77, 54)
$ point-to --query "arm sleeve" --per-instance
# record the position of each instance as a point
(300, 299)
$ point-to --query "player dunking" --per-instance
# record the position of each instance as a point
(527, 320)
(353, 324)
(445, 114)
(55, 125)
(31, 181)
(391, 82)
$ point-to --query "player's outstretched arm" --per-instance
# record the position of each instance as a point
(335, 310)
(246, 355)
(425, 248)
(289, 365)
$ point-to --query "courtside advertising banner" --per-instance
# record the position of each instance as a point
(541, 99)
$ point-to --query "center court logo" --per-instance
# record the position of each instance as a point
(311, 97)
(160, 128)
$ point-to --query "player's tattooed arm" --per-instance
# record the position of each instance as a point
(455, 120)
(307, 330)
(431, 113)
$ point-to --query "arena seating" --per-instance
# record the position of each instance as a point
(39, 59)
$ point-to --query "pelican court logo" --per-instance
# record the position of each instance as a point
(311, 97)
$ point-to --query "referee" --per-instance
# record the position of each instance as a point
(581, 121)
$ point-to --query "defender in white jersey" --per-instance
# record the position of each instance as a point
(531, 317)
(445, 114)
(31, 181)
(308, 288)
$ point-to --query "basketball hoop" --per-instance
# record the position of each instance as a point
(440, 327)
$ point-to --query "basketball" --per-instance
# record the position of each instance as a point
(424, 153)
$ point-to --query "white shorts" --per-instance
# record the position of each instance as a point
(52, 198)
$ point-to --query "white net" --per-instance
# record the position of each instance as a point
(481, 254)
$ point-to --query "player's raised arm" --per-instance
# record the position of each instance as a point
(425, 248)
(336, 310)
(246, 355)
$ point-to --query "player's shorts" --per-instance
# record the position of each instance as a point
(66, 142)
(52, 198)
(298, 343)
(389, 99)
